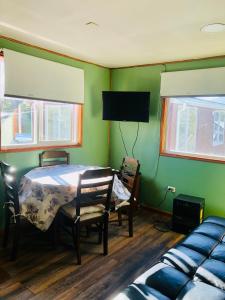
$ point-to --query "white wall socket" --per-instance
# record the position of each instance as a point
(172, 189)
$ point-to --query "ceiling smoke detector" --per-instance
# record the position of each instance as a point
(214, 27)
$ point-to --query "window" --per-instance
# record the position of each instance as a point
(34, 123)
(194, 127)
(37, 124)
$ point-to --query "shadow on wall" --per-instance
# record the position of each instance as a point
(95, 106)
(151, 193)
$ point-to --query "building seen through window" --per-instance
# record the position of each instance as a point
(194, 126)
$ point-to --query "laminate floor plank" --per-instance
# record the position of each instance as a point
(43, 273)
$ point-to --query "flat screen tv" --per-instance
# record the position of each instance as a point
(126, 106)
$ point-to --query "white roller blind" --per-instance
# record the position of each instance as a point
(29, 76)
(193, 82)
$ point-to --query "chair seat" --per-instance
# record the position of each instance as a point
(122, 203)
(86, 213)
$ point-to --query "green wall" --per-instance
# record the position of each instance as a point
(95, 146)
(190, 177)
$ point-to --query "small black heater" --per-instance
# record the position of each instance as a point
(188, 213)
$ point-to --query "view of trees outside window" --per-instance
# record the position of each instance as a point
(218, 127)
(57, 119)
(17, 122)
(186, 128)
(195, 126)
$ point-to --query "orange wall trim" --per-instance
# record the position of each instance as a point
(172, 62)
(112, 68)
(49, 51)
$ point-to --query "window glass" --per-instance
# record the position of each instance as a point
(194, 126)
(26, 123)
(57, 122)
(17, 122)
(218, 127)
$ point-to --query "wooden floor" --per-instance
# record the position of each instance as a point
(43, 273)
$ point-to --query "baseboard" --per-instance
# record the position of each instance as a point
(154, 209)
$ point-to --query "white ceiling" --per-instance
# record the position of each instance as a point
(129, 33)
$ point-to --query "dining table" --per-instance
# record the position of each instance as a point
(43, 190)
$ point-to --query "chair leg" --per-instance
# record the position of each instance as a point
(105, 236)
(76, 239)
(120, 217)
(6, 229)
(130, 221)
(16, 238)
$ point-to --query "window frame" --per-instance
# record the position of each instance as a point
(47, 145)
(163, 130)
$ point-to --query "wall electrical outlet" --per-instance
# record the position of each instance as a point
(172, 189)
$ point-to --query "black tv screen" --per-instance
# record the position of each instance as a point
(126, 106)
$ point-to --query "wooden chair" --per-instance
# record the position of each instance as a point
(91, 206)
(12, 207)
(129, 176)
(12, 211)
(52, 158)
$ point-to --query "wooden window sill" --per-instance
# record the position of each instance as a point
(190, 157)
(28, 149)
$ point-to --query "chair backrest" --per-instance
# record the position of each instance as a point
(128, 174)
(95, 187)
(10, 187)
(52, 158)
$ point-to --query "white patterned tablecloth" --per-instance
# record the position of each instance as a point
(44, 190)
